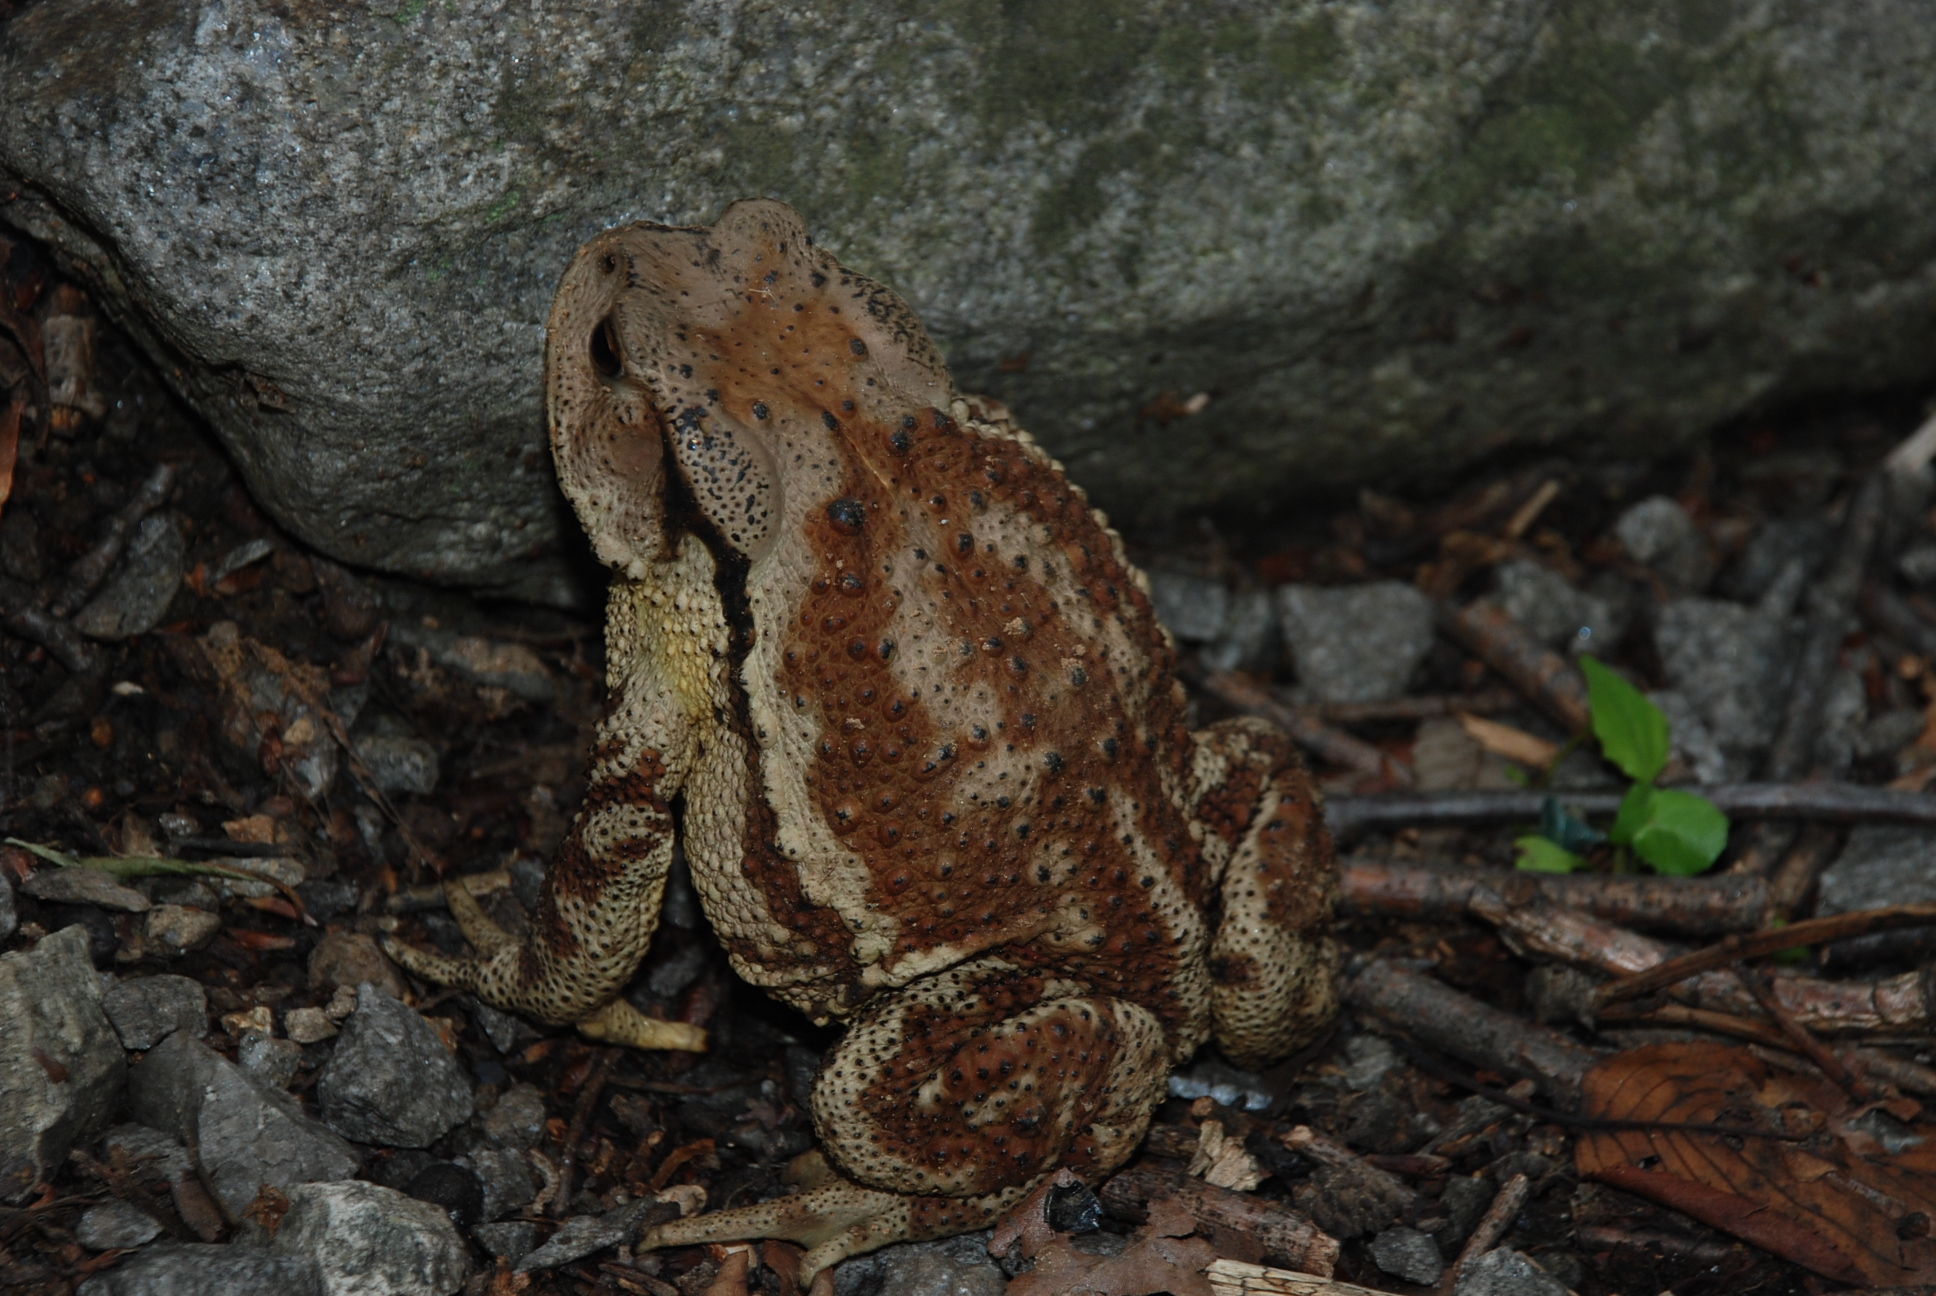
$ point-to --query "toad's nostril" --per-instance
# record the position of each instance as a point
(604, 349)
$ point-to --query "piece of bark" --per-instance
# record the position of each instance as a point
(1538, 928)
(1547, 679)
(1236, 1278)
(1476, 1033)
(1846, 803)
(1282, 1234)
(1708, 906)
(1305, 729)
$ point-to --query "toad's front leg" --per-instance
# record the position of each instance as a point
(600, 903)
(944, 1104)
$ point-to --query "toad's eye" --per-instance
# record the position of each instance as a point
(605, 352)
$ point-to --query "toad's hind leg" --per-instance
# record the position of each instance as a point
(946, 1102)
(1273, 961)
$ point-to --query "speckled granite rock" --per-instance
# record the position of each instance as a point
(1377, 238)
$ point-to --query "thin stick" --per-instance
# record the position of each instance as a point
(1827, 802)
(1798, 1037)
(1704, 906)
(1679, 1015)
(1735, 948)
(581, 1115)
(1491, 1227)
(1547, 679)
(1306, 730)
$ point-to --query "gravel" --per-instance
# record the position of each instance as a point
(1355, 643)
(61, 1064)
(146, 1010)
(1409, 1254)
(391, 1081)
(372, 1241)
(1505, 1272)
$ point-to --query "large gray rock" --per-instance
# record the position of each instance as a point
(61, 1065)
(391, 1080)
(1380, 237)
(245, 1134)
(146, 1010)
(372, 1241)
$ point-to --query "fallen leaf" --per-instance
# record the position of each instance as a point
(1504, 740)
(1161, 1257)
(1833, 1200)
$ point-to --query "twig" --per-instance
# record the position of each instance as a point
(1829, 802)
(24, 617)
(1306, 731)
(1681, 1016)
(1540, 928)
(1811, 853)
(92, 567)
(1282, 1233)
(1798, 1037)
(1476, 1033)
(1704, 1253)
(1734, 948)
(1707, 906)
(1419, 706)
(1491, 1227)
(1547, 679)
(581, 1115)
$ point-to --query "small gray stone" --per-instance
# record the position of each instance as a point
(1658, 533)
(1733, 665)
(1552, 611)
(1369, 1059)
(179, 929)
(245, 1133)
(496, 662)
(149, 1149)
(1409, 1254)
(518, 1118)
(1918, 563)
(208, 1270)
(506, 1031)
(349, 959)
(1505, 1272)
(1210, 1078)
(1845, 708)
(146, 1010)
(399, 763)
(391, 1080)
(958, 1266)
(1466, 1198)
(85, 886)
(671, 977)
(583, 1234)
(1888, 733)
(1773, 550)
(1880, 865)
(372, 1241)
(9, 916)
(1248, 640)
(511, 1239)
(267, 1059)
(1190, 606)
(506, 1176)
(137, 595)
(192, 892)
(115, 1224)
(61, 1064)
(1693, 742)
(1355, 643)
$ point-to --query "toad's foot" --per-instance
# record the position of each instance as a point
(836, 1220)
(505, 974)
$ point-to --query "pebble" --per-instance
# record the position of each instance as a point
(512, 1239)
(268, 1059)
(146, 1010)
(372, 1241)
(1368, 1059)
(115, 1225)
(1409, 1254)
(1918, 563)
(1230, 1087)
(1693, 743)
(1658, 533)
(179, 929)
(1773, 550)
(1733, 665)
(958, 1266)
(245, 1133)
(391, 1081)
(1355, 643)
(497, 662)
(507, 1032)
(142, 586)
(155, 1151)
(517, 1118)
(581, 1235)
(506, 1177)
(454, 1187)
(207, 1270)
(1505, 1272)
(85, 886)
(309, 1025)
(399, 763)
(61, 1064)
(1248, 640)
(1191, 607)
(1880, 865)
(351, 959)
(9, 915)
(1553, 611)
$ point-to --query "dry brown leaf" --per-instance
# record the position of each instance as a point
(1836, 1201)
(1161, 1257)
(1504, 740)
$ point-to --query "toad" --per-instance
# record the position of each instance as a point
(876, 663)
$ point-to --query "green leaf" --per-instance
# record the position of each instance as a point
(1632, 731)
(1633, 814)
(1541, 855)
(1683, 833)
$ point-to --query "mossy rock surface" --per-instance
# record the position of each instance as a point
(1383, 239)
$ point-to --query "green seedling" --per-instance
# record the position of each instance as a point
(1672, 831)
